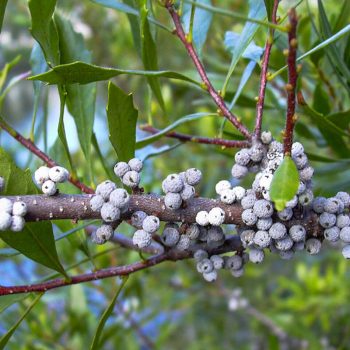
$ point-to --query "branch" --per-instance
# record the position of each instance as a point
(292, 81)
(263, 77)
(198, 139)
(179, 31)
(40, 154)
(231, 244)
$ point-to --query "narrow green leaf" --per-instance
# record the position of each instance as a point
(269, 8)
(7, 68)
(84, 73)
(101, 158)
(149, 53)
(341, 119)
(105, 316)
(186, 119)
(3, 4)
(285, 183)
(6, 337)
(44, 30)
(36, 241)
(122, 118)
(80, 99)
(8, 300)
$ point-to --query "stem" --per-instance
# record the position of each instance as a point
(263, 77)
(198, 139)
(40, 154)
(179, 31)
(292, 81)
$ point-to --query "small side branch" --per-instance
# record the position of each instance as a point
(199, 139)
(264, 72)
(40, 154)
(292, 81)
(179, 31)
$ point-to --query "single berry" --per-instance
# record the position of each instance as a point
(183, 243)
(301, 161)
(96, 202)
(266, 137)
(170, 235)
(121, 168)
(257, 152)
(344, 197)
(262, 239)
(109, 212)
(301, 188)
(215, 236)
(5, 205)
(239, 192)
(277, 231)
(285, 214)
(172, 183)
(239, 171)
(200, 254)
(248, 201)
(19, 208)
(345, 234)
(49, 188)
(216, 216)
(234, 262)
(172, 200)
(249, 217)
(242, 157)
(131, 179)
(343, 220)
(41, 175)
(247, 237)
(313, 246)
(306, 198)
(297, 233)
(97, 239)
(58, 174)
(193, 176)
(150, 224)
(218, 262)
(192, 231)
(17, 223)
(227, 196)
(265, 181)
(205, 266)
(284, 244)
(264, 224)
(187, 192)
(119, 198)
(202, 218)
(135, 164)
(297, 148)
(346, 251)
(105, 188)
(137, 218)
(306, 173)
(263, 208)
(221, 186)
(318, 204)
(210, 276)
(105, 232)
(327, 220)
(332, 205)
(142, 239)
(332, 234)
(5, 221)
(256, 256)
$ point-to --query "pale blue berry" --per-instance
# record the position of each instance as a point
(297, 233)
(277, 230)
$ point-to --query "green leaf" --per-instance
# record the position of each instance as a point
(285, 183)
(80, 99)
(44, 30)
(269, 8)
(36, 241)
(3, 4)
(105, 316)
(8, 300)
(6, 337)
(122, 118)
(186, 119)
(149, 53)
(201, 23)
(340, 119)
(321, 101)
(7, 68)
(84, 73)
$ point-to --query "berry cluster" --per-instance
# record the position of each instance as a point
(180, 187)
(48, 178)
(146, 225)
(129, 173)
(12, 215)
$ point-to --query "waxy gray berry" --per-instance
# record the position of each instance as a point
(142, 239)
(345, 234)
(193, 176)
(327, 220)
(210, 276)
(332, 234)
(19, 208)
(5, 205)
(49, 188)
(277, 231)
(262, 239)
(239, 171)
(172, 183)
(187, 192)
(313, 246)
(58, 174)
(96, 202)
(172, 200)
(135, 164)
(150, 224)
(121, 168)
(256, 256)
(297, 233)
(109, 212)
(263, 208)
(249, 217)
(105, 188)
(170, 235)
(105, 232)
(131, 179)
(242, 157)
(205, 266)
(119, 198)
(137, 218)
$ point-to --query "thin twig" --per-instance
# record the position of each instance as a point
(264, 72)
(40, 154)
(179, 31)
(292, 81)
(199, 139)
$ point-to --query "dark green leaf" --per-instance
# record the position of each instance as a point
(321, 101)
(44, 30)
(186, 119)
(340, 119)
(80, 99)
(285, 183)
(105, 316)
(269, 8)
(6, 337)
(84, 73)
(36, 241)
(149, 53)
(122, 118)
(3, 4)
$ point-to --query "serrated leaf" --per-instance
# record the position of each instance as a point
(105, 316)
(122, 118)
(36, 241)
(201, 23)
(84, 73)
(44, 30)
(285, 183)
(80, 99)
(6, 337)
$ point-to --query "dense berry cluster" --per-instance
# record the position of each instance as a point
(11, 214)
(129, 173)
(48, 178)
(180, 187)
(146, 225)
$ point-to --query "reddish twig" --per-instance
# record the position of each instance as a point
(264, 72)
(292, 81)
(179, 31)
(40, 154)
(199, 139)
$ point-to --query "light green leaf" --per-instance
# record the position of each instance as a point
(105, 316)
(7, 68)
(3, 4)
(186, 119)
(122, 118)
(84, 73)
(285, 183)
(6, 337)
(44, 30)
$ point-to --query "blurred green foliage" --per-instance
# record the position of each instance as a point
(170, 306)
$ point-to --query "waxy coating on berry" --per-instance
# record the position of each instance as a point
(216, 216)
(49, 188)
(109, 212)
(19, 208)
(5, 205)
(41, 175)
(131, 179)
(172, 200)
(105, 188)
(202, 218)
(17, 223)
(150, 224)
(96, 202)
(172, 183)
(170, 235)
(193, 176)
(119, 198)
(135, 164)
(142, 239)
(58, 174)
(121, 168)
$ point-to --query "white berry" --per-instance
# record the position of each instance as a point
(41, 175)
(227, 196)
(96, 202)
(17, 223)
(5, 205)
(256, 256)
(119, 198)
(216, 216)
(150, 224)
(5, 221)
(202, 218)
(221, 186)
(121, 168)
(109, 212)
(193, 176)
(172, 200)
(19, 208)
(142, 239)
(131, 179)
(135, 164)
(49, 188)
(58, 174)
(277, 230)
(239, 171)
(105, 188)
(172, 183)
